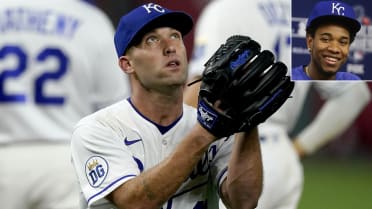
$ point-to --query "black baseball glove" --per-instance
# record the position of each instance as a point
(241, 87)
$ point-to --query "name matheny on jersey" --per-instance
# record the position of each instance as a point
(41, 21)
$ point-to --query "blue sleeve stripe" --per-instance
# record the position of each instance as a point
(188, 190)
(107, 187)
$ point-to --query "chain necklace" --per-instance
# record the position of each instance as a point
(307, 71)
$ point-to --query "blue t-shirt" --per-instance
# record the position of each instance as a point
(298, 73)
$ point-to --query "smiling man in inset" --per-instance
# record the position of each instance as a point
(330, 30)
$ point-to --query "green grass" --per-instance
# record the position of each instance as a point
(337, 184)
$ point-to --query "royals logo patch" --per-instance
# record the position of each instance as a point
(96, 169)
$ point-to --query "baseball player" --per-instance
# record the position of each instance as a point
(151, 150)
(269, 22)
(56, 66)
(330, 30)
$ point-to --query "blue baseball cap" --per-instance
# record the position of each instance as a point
(334, 10)
(145, 18)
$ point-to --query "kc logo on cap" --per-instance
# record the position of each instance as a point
(151, 6)
(324, 11)
(147, 17)
(337, 7)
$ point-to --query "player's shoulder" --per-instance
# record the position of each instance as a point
(298, 73)
(104, 116)
(346, 76)
(103, 125)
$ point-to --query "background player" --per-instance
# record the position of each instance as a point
(269, 23)
(57, 65)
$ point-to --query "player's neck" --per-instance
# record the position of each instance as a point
(160, 109)
(316, 74)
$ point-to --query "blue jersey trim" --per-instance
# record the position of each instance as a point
(162, 129)
(107, 187)
(188, 190)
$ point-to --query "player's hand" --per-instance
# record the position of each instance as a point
(299, 149)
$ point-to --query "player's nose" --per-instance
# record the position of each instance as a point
(333, 47)
(169, 47)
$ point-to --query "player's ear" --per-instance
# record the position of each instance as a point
(125, 64)
(309, 42)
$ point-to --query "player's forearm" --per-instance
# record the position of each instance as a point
(333, 118)
(155, 186)
(243, 184)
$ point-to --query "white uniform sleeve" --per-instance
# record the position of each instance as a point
(98, 155)
(219, 162)
(344, 103)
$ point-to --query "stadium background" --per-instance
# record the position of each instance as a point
(339, 175)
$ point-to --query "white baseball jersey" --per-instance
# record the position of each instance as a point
(57, 64)
(268, 22)
(117, 143)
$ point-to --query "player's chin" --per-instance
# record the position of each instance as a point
(176, 81)
(178, 77)
(331, 69)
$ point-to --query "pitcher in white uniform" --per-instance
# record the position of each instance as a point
(149, 151)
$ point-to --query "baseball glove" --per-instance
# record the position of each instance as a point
(241, 87)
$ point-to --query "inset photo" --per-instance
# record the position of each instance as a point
(331, 40)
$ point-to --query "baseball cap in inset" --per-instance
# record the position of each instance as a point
(334, 10)
(145, 18)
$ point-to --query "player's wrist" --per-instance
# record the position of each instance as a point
(212, 119)
(202, 132)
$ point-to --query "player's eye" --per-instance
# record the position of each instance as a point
(325, 39)
(344, 42)
(176, 36)
(152, 39)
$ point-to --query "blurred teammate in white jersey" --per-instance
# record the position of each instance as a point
(268, 22)
(57, 64)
